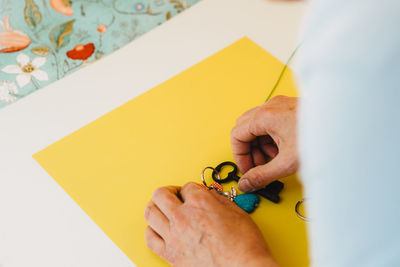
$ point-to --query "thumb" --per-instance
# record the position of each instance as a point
(260, 176)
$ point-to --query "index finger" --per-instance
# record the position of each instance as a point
(242, 136)
(241, 152)
(167, 200)
(241, 142)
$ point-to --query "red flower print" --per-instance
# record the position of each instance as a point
(81, 52)
(102, 28)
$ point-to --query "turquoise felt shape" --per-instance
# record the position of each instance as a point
(247, 202)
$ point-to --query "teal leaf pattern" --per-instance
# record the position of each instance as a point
(32, 14)
(60, 34)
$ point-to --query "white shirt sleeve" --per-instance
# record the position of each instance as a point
(349, 78)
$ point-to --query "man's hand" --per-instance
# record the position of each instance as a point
(190, 226)
(264, 143)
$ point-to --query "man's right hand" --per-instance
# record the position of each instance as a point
(264, 143)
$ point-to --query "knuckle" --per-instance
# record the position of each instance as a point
(277, 98)
(158, 192)
(148, 212)
(234, 133)
(162, 194)
(196, 196)
(189, 186)
(243, 116)
(276, 103)
(238, 120)
(265, 111)
(148, 238)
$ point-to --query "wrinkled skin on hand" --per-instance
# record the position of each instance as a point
(190, 226)
(264, 143)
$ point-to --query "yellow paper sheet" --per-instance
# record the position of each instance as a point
(167, 136)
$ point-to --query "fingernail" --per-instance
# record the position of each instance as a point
(245, 185)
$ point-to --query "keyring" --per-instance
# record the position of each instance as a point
(204, 180)
(232, 176)
(297, 207)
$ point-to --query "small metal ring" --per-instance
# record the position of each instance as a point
(297, 207)
(202, 175)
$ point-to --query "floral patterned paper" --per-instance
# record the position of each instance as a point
(42, 41)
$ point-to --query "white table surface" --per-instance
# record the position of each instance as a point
(40, 225)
